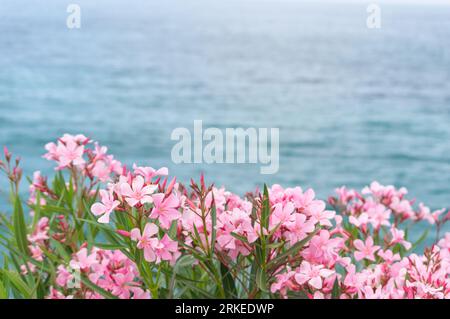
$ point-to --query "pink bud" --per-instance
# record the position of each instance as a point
(202, 181)
(164, 183)
(123, 233)
(7, 153)
(332, 201)
(191, 204)
(170, 187)
(446, 217)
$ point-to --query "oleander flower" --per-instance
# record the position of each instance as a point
(365, 250)
(149, 172)
(165, 209)
(106, 207)
(137, 192)
(147, 241)
(170, 240)
(83, 260)
(231, 225)
(69, 153)
(312, 274)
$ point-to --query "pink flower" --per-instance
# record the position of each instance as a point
(299, 228)
(29, 266)
(139, 293)
(100, 152)
(36, 252)
(55, 294)
(323, 249)
(63, 276)
(146, 241)
(320, 215)
(167, 250)
(101, 171)
(165, 209)
(52, 154)
(398, 237)
(388, 256)
(372, 292)
(110, 270)
(360, 221)
(379, 216)
(83, 261)
(236, 222)
(148, 172)
(40, 234)
(365, 250)
(282, 214)
(137, 192)
(155, 250)
(70, 154)
(312, 274)
(106, 207)
(345, 195)
(304, 200)
(444, 243)
(353, 280)
(284, 283)
(122, 283)
(79, 138)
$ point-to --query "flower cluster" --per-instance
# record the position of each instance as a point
(38, 240)
(362, 268)
(136, 233)
(110, 270)
(79, 152)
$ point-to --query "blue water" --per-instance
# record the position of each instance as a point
(353, 104)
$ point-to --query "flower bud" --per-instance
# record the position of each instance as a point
(123, 233)
(7, 154)
(170, 187)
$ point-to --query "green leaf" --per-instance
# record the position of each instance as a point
(96, 288)
(20, 228)
(18, 283)
(124, 221)
(213, 228)
(185, 261)
(37, 209)
(61, 250)
(265, 213)
(228, 282)
(107, 246)
(3, 291)
(297, 295)
(182, 262)
(239, 237)
(420, 240)
(173, 229)
(280, 259)
(336, 292)
(261, 280)
(55, 209)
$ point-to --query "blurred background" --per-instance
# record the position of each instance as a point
(353, 104)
